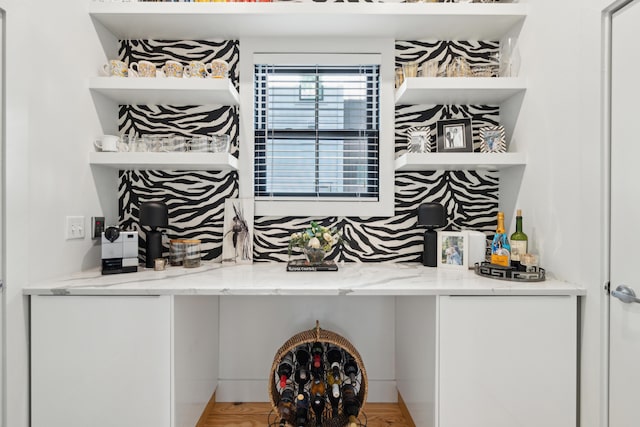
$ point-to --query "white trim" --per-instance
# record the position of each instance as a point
(312, 59)
(384, 48)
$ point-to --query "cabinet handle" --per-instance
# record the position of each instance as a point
(625, 294)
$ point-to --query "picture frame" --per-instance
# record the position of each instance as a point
(237, 237)
(453, 249)
(493, 139)
(454, 136)
(419, 139)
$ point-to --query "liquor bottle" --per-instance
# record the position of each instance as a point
(500, 248)
(519, 242)
(316, 357)
(317, 399)
(351, 368)
(350, 404)
(285, 369)
(285, 405)
(302, 409)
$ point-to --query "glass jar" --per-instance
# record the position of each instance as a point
(192, 253)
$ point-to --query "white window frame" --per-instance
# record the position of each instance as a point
(251, 50)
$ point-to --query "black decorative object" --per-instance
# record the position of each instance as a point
(431, 216)
(153, 215)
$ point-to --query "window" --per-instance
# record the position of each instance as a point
(316, 130)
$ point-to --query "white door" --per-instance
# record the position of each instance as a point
(2, 243)
(624, 359)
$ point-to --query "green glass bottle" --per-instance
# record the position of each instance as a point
(519, 242)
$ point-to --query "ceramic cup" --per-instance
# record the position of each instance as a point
(172, 69)
(143, 69)
(219, 143)
(115, 68)
(159, 264)
(218, 68)
(196, 69)
(107, 143)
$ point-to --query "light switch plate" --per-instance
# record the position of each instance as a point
(75, 227)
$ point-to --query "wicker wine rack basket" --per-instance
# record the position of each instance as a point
(328, 337)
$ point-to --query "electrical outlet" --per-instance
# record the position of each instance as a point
(75, 227)
(97, 226)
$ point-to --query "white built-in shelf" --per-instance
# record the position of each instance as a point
(165, 161)
(172, 91)
(459, 90)
(458, 161)
(402, 21)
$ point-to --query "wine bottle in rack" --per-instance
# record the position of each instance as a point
(302, 409)
(285, 369)
(317, 351)
(351, 368)
(350, 404)
(302, 356)
(302, 378)
(285, 405)
(318, 389)
(334, 382)
(334, 358)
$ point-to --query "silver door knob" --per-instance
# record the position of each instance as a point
(625, 294)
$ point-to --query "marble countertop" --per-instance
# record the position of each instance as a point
(273, 279)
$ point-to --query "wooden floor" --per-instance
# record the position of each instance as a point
(256, 415)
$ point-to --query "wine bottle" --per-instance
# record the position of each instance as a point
(519, 242)
(285, 405)
(351, 368)
(301, 378)
(302, 356)
(316, 358)
(350, 404)
(302, 409)
(500, 247)
(334, 358)
(334, 393)
(318, 389)
(285, 369)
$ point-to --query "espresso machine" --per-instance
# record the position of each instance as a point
(119, 251)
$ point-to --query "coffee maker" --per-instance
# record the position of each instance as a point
(119, 251)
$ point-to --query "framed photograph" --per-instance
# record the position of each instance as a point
(492, 139)
(453, 249)
(454, 136)
(419, 139)
(237, 238)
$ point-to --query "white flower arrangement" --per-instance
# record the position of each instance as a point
(315, 237)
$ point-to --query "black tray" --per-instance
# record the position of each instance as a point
(304, 265)
(499, 272)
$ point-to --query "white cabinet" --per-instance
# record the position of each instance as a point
(498, 361)
(100, 361)
(125, 361)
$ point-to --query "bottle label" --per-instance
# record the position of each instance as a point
(518, 247)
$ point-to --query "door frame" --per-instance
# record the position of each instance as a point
(607, 52)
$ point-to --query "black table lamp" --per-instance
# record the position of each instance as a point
(154, 214)
(431, 215)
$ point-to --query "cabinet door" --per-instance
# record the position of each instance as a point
(507, 361)
(100, 361)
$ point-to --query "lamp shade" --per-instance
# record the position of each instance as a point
(431, 215)
(154, 214)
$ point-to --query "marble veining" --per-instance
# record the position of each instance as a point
(272, 279)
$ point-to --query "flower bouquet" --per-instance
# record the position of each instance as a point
(315, 242)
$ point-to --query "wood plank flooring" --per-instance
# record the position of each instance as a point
(256, 415)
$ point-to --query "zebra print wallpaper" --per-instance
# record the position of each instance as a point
(196, 199)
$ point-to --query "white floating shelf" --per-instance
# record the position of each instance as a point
(172, 91)
(165, 161)
(458, 161)
(403, 21)
(459, 90)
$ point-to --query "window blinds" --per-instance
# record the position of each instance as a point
(316, 131)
